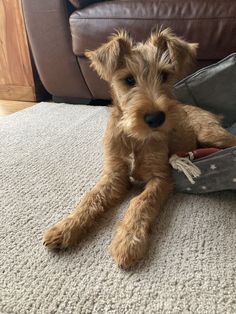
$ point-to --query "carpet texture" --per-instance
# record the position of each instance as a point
(50, 155)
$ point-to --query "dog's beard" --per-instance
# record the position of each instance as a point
(133, 125)
(132, 118)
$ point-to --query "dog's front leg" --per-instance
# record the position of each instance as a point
(131, 239)
(107, 193)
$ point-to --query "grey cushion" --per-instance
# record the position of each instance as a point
(232, 129)
(214, 89)
(218, 173)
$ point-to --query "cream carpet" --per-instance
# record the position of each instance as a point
(50, 155)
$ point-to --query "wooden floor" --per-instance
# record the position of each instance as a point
(8, 106)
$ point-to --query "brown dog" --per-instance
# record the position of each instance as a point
(146, 126)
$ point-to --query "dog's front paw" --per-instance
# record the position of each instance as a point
(127, 248)
(61, 235)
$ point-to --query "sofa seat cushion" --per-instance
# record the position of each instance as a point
(211, 23)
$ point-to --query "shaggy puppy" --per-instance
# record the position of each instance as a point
(146, 126)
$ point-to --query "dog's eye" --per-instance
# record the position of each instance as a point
(164, 76)
(130, 80)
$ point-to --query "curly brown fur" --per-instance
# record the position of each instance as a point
(141, 77)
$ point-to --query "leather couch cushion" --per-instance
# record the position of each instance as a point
(211, 23)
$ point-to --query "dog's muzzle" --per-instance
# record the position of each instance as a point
(155, 119)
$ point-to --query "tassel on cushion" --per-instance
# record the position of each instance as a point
(183, 162)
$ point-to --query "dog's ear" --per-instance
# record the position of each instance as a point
(110, 56)
(175, 51)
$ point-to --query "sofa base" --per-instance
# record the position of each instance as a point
(81, 101)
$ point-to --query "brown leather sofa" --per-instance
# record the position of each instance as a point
(59, 34)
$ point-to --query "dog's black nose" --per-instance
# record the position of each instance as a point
(155, 119)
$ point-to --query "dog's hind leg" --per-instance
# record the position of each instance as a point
(208, 129)
(216, 136)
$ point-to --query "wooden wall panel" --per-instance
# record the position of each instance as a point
(16, 77)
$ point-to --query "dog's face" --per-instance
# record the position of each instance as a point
(141, 76)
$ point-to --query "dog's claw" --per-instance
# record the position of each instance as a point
(52, 245)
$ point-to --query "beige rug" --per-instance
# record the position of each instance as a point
(49, 156)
